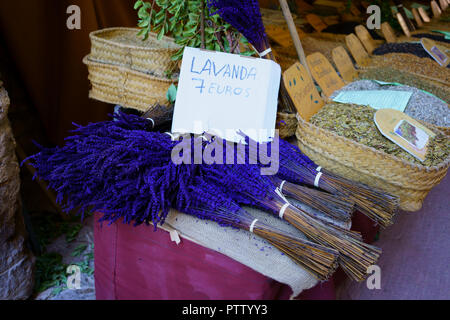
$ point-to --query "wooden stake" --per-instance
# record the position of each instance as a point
(388, 32)
(417, 17)
(424, 15)
(294, 34)
(401, 10)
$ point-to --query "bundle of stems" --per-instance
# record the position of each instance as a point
(374, 203)
(355, 255)
(295, 167)
(206, 201)
(244, 184)
(245, 16)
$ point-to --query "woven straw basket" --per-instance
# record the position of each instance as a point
(375, 168)
(128, 88)
(122, 47)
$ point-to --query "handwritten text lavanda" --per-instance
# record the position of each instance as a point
(212, 78)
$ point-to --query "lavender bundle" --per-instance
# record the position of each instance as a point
(297, 168)
(338, 207)
(244, 184)
(334, 206)
(116, 167)
(206, 201)
(245, 16)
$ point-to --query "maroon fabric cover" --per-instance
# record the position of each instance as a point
(137, 263)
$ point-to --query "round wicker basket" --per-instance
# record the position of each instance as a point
(122, 47)
(367, 165)
(125, 87)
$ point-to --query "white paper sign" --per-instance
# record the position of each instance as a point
(222, 94)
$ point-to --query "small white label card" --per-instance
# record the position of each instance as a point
(435, 52)
(377, 99)
(407, 133)
(223, 94)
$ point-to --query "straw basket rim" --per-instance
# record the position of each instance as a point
(95, 35)
(380, 154)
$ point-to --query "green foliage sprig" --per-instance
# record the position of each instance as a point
(189, 23)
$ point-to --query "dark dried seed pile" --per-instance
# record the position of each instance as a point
(403, 47)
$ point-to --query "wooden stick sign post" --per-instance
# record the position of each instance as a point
(324, 73)
(435, 9)
(302, 90)
(424, 15)
(365, 38)
(403, 25)
(344, 64)
(357, 50)
(388, 32)
(294, 34)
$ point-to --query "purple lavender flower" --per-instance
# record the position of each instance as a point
(245, 16)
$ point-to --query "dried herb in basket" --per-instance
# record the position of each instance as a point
(356, 123)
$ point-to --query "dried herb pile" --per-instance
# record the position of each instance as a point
(391, 75)
(356, 123)
(421, 105)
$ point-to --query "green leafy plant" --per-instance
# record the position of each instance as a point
(189, 23)
(50, 268)
(50, 271)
